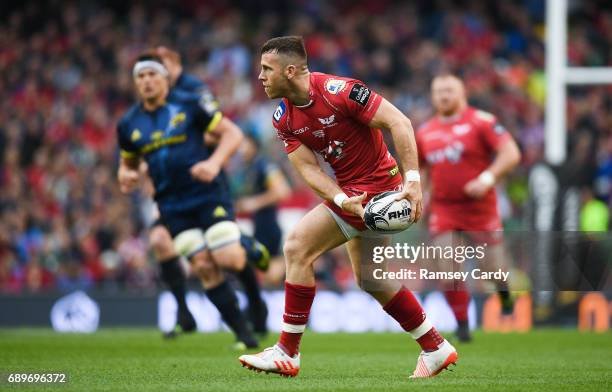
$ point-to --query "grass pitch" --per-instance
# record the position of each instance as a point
(139, 360)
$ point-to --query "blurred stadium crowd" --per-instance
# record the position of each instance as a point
(65, 78)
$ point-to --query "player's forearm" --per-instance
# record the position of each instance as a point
(128, 175)
(229, 140)
(265, 200)
(319, 181)
(507, 158)
(405, 144)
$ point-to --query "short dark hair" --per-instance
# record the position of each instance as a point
(292, 45)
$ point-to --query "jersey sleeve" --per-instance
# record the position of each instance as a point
(270, 170)
(492, 132)
(265, 172)
(190, 83)
(127, 149)
(207, 111)
(359, 101)
(279, 121)
(418, 137)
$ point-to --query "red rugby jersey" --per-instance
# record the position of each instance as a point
(457, 151)
(335, 125)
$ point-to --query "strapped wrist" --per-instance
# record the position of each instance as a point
(339, 199)
(412, 176)
(487, 178)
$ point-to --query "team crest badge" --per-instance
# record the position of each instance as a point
(136, 135)
(334, 86)
(178, 119)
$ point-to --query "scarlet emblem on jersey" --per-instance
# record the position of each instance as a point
(328, 120)
(451, 153)
(461, 129)
(280, 110)
(360, 94)
(334, 86)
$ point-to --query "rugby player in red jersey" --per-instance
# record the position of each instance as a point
(340, 120)
(466, 151)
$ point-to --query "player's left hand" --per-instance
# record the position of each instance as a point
(205, 171)
(476, 189)
(412, 192)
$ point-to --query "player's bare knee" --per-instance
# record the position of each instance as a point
(202, 266)
(231, 257)
(161, 243)
(295, 251)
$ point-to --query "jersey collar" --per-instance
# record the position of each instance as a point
(454, 118)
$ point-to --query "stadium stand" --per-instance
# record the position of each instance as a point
(64, 77)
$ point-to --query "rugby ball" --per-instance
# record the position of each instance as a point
(385, 214)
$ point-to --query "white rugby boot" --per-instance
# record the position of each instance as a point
(431, 363)
(272, 360)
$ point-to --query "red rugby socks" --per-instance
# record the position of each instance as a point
(458, 302)
(407, 311)
(298, 301)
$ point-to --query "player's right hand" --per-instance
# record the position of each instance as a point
(205, 171)
(412, 192)
(354, 205)
(129, 179)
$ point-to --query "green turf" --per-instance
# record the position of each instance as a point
(139, 360)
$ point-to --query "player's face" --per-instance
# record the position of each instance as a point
(447, 95)
(272, 76)
(150, 84)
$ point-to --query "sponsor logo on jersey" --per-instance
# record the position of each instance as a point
(360, 94)
(157, 135)
(327, 121)
(178, 119)
(136, 135)
(394, 171)
(300, 131)
(334, 86)
(162, 142)
(319, 133)
(280, 110)
(461, 129)
(452, 153)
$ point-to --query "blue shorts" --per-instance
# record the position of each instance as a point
(201, 217)
(268, 232)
